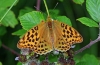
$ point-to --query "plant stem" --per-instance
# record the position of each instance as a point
(38, 5)
(46, 7)
(8, 10)
(7, 48)
(90, 44)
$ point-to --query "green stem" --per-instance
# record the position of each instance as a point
(46, 7)
(8, 10)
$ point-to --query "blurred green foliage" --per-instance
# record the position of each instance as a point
(73, 9)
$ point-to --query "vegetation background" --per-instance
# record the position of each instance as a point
(73, 9)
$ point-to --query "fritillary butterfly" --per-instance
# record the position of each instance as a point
(48, 36)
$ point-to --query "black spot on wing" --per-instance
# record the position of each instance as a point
(32, 35)
(70, 29)
(67, 36)
(37, 39)
(63, 31)
(36, 28)
(62, 25)
(68, 32)
(66, 27)
(36, 34)
(29, 40)
(64, 35)
(32, 40)
(28, 33)
(32, 30)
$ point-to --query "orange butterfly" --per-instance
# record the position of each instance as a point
(48, 36)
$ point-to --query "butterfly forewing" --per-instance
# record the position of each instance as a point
(65, 36)
(35, 39)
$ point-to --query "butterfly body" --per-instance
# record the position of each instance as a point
(50, 28)
(48, 36)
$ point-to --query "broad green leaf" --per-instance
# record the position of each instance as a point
(31, 19)
(88, 22)
(99, 61)
(93, 7)
(6, 3)
(0, 63)
(9, 19)
(64, 19)
(88, 59)
(20, 32)
(41, 58)
(19, 63)
(76, 58)
(52, 58)
(25, 10)
(54, 13)
(82, 63)
(78, 1)
(2, 30)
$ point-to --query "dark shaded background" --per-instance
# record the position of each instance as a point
(66, 8)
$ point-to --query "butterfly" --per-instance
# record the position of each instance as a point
(49, 36)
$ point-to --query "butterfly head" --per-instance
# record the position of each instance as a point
(49, 21)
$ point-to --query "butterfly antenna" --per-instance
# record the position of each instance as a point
(55, 5)
(46, 7)
(37, 10)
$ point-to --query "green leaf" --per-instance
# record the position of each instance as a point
(20, 32)
(54, 13)
(25, 10)
(64, 19)
(31, 19)
(52, 58)
(78, 1)
(88, 22)
(2, 30)
(19, 63)
(0, 63)
(6, 3)
(9, 19)
(41, 58)
(93, 7)
(82, 63)
(88, 59)
(76, 60)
